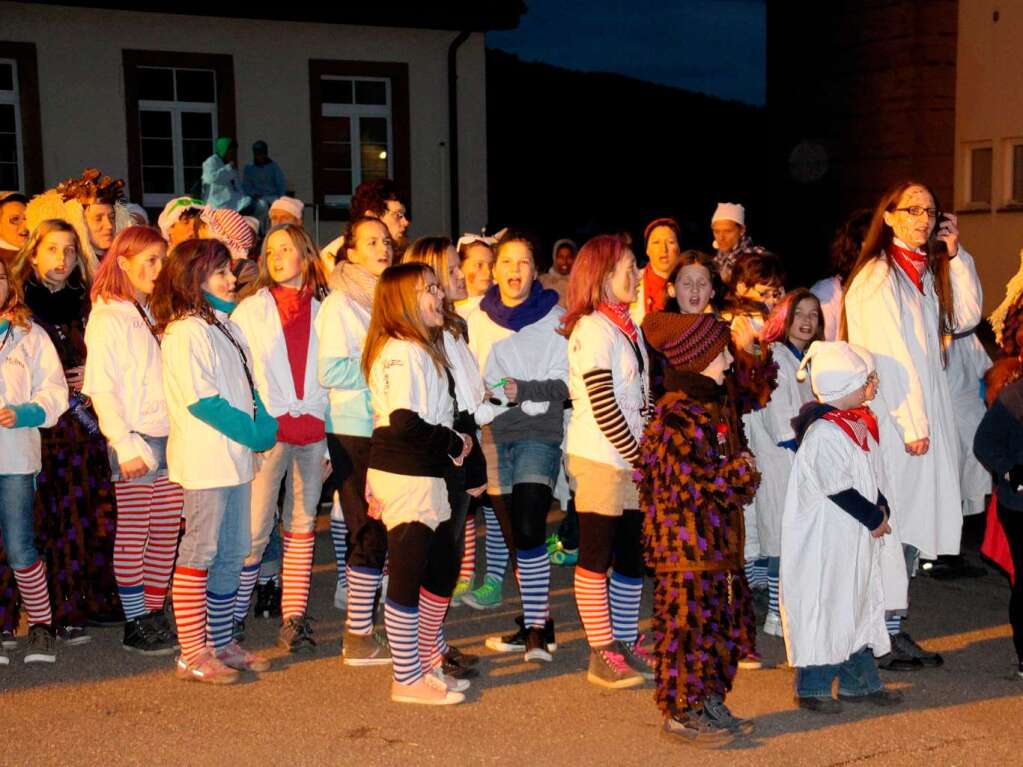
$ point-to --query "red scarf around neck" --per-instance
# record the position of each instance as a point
(913, 264)
(857, 423)
(655, 291)
(619, 315)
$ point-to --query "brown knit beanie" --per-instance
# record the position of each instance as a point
(689, 341)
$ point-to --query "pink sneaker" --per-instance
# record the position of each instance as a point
(206, 667)
(237, 657)
(427, 691)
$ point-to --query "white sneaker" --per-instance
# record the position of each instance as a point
(454, 685)
(428, 690)
(341, 596)
(772, 625)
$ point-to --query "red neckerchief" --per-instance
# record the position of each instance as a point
(913, 264)
(857, 423)
(655, 290)
(619, 315)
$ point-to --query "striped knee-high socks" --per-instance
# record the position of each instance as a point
(162, 544)
(297, 570)
(219, 618)
(363, 583)
(468, 568)
(133, 502)
(188, 595)
(432, 610)
(534, 575)
(496, 547)
(402, 624)
(591, 600)
(339, 536)
(626, 593)
(35, 595)
(246, 585)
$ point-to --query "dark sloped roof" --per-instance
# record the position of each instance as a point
(472, 15)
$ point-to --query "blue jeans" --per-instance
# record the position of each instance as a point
(218, 534)
(527, 461)
(17, 492)
(856, 676)
(159, 447)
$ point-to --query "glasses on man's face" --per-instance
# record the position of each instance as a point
(917, 210)
(433, 289)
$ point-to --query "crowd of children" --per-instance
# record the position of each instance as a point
(690, 416)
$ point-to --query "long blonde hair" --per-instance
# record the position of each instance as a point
(22, 265)
(14, 307)
(396, 315)
(313, 276)
(435, 252)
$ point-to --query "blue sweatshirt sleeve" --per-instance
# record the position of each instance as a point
(342, 373)
(258, 434)
(859, 508)
(28, 415)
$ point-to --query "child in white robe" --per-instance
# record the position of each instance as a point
(833, 529)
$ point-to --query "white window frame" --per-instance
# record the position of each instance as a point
(354, 112)
(14, 97)
(968, 203)
(153, 200)
(1008, 153)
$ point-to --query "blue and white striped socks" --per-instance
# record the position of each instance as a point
(219, 614)
(497, 549)
(133, 601)
(893, 624)
(246, 585)
(773, 585)
(363, 583)
(402, 624)
(625, 594)
(338, 533)
(534, 574)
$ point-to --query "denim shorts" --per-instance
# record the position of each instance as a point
(524, 461)
(159, 447)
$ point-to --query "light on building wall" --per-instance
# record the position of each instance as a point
(383, 155)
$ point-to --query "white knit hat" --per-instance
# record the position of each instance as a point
(289, 205)
(729, 211)
(837, 368)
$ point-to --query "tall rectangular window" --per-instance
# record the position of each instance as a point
(360, 129)
(980, 175)
(1016, 174)
(177, 116)
(12, 161)
(177, 106)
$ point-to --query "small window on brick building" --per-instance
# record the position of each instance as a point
(980, 175)
(1016, 173)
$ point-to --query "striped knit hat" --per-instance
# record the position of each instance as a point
(231, 229)
(689, 341)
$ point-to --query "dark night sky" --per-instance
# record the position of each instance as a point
(712, 46)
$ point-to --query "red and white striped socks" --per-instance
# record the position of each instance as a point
(188, 595)
(162, 546)
(297, 569)
(35, 596)
(432, 610)
(148, 523)
(591, 599)
(468, 568)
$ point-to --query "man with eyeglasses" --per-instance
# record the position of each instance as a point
(377, 199)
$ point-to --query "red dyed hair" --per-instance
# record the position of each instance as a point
(595, 261)
(111, 281)
(779, 321)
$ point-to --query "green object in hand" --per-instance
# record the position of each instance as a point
(499, 384)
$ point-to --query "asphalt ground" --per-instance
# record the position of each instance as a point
(101, 705)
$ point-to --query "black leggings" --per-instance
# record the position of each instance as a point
(367, 537)
(605, 540)
(425, 558)
(530, 503)
(1012, 521)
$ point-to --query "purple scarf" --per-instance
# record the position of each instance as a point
(536, 306)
